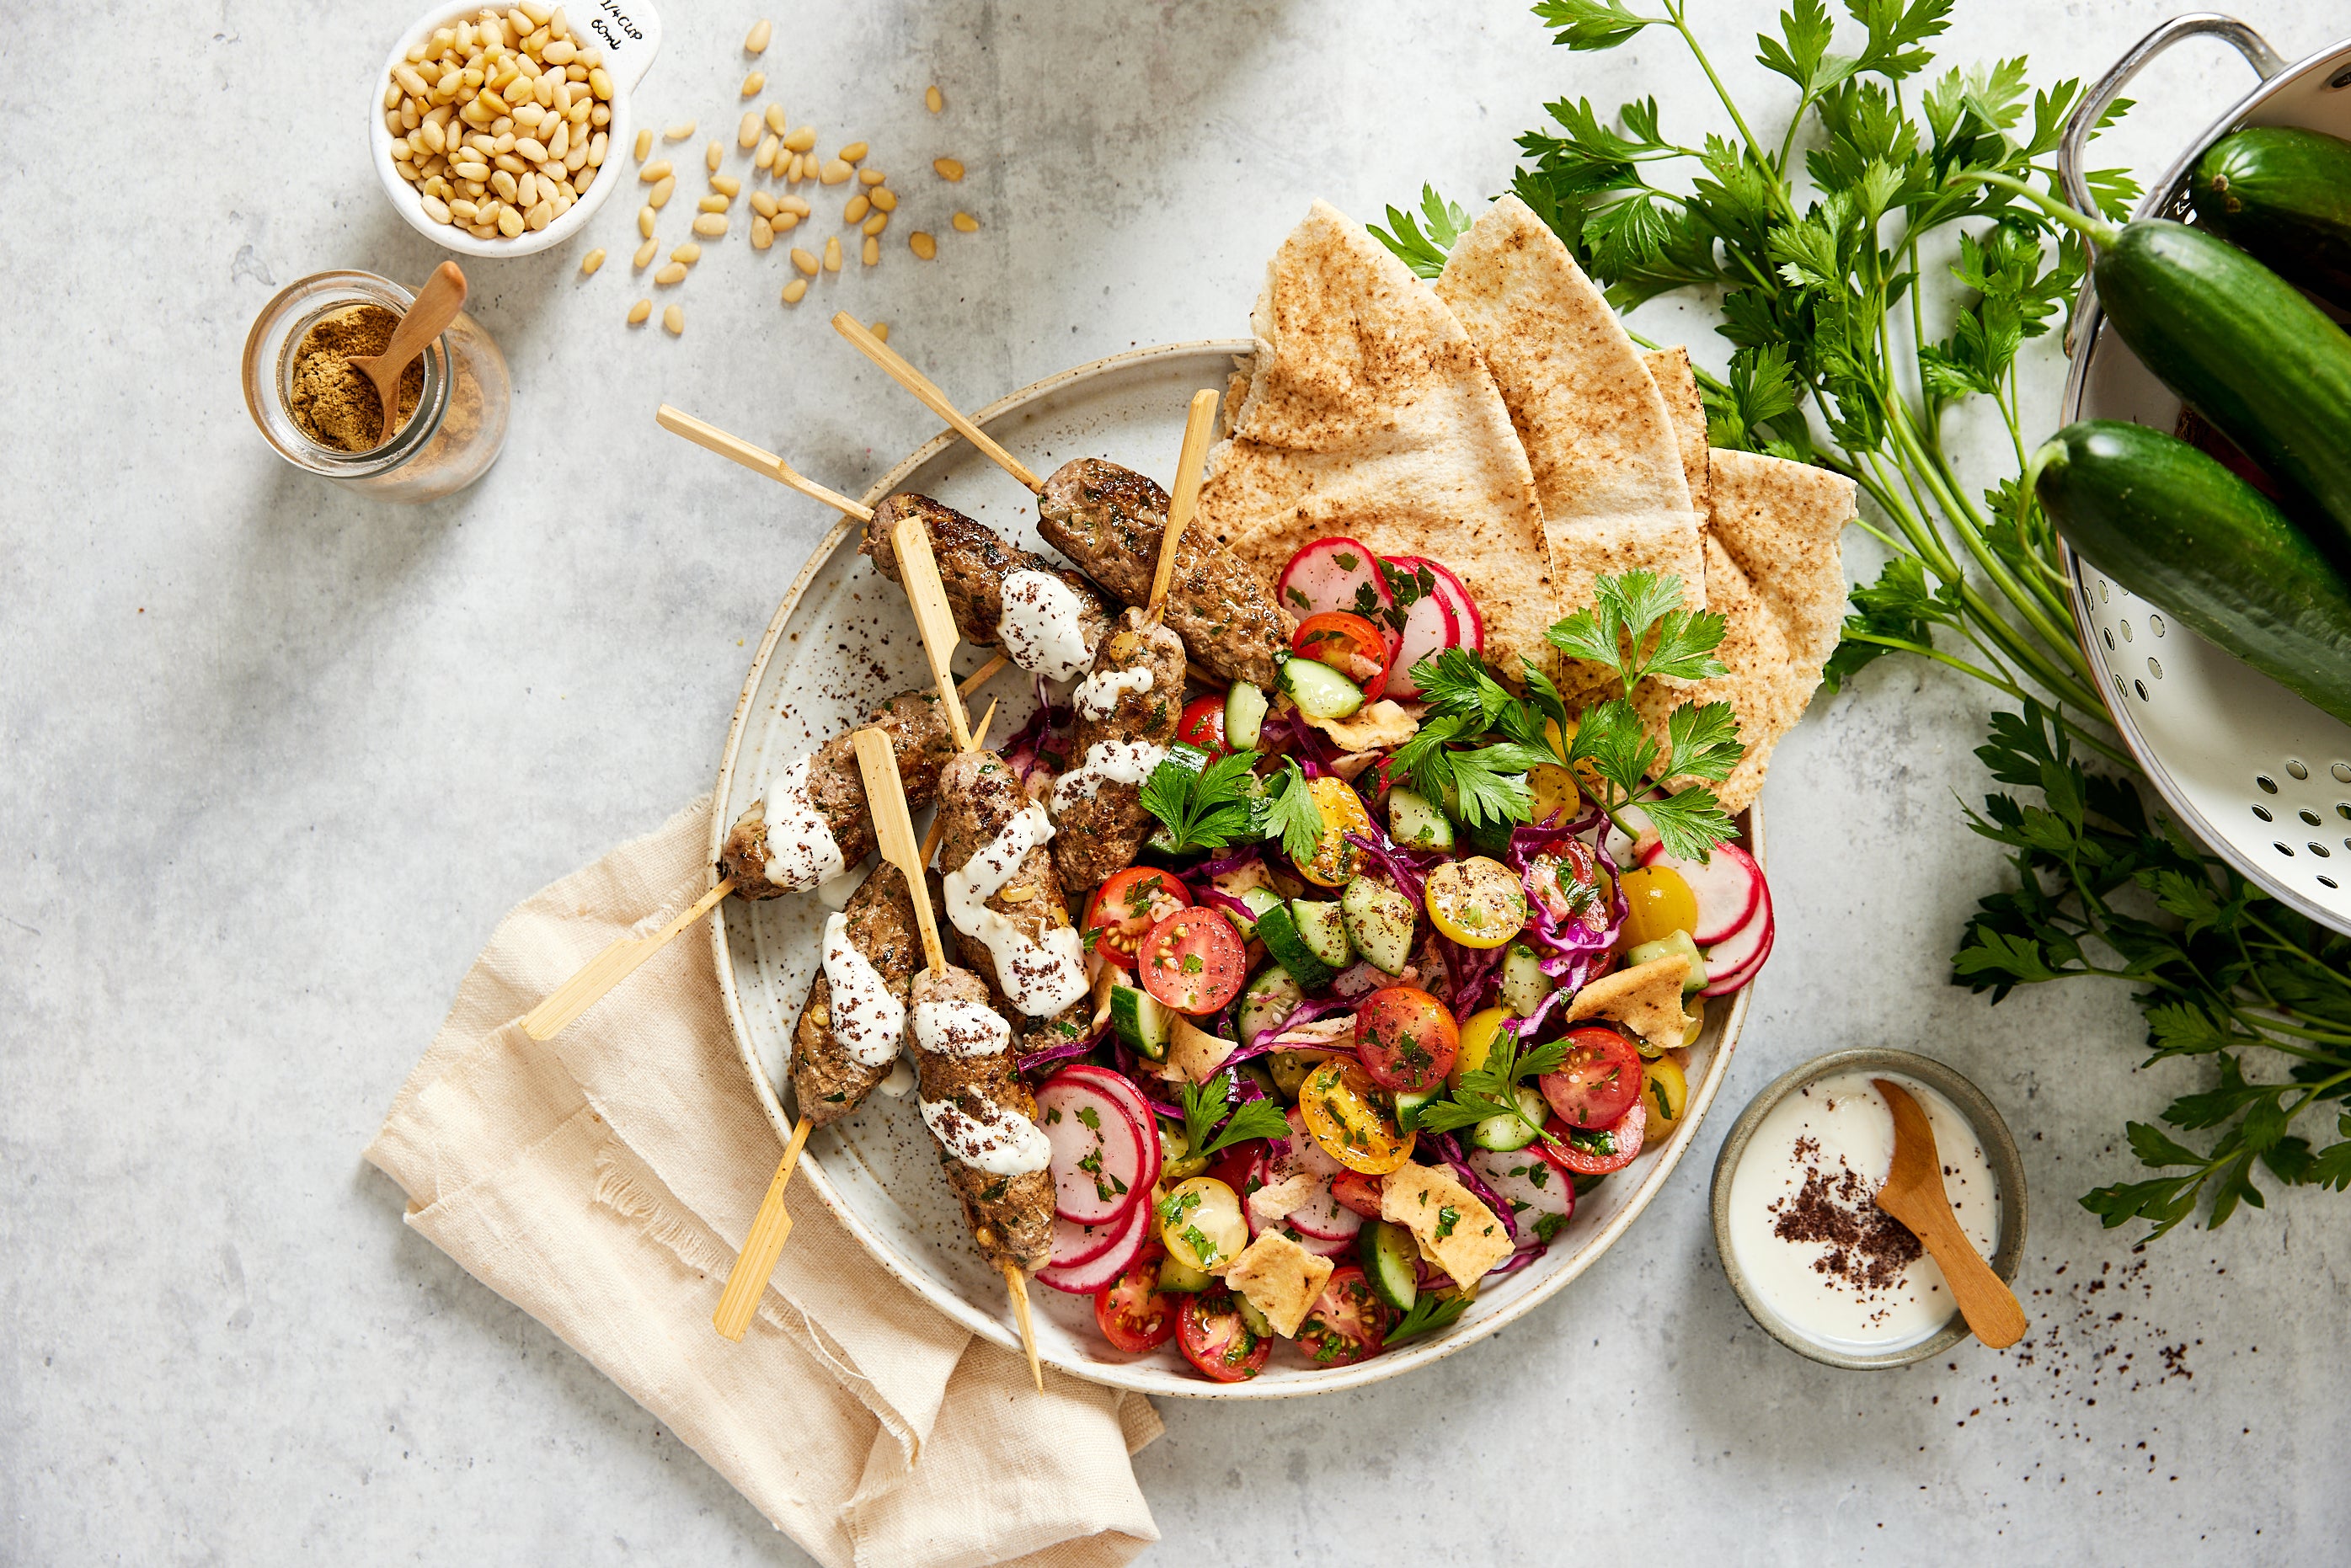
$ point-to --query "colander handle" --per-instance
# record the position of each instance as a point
(2266, 62)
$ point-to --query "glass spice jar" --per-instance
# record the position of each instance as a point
(450, 440)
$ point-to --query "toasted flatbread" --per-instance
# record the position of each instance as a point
(1775, 572)
(1677, 384)
(1368, 413)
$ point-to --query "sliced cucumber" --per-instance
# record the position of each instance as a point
(1414, 822)
(1503, 1134)
(1524, 984)
(1378, 922)
(1324, 929)
(1141, 1021)
(1260, 1324)
(1243, 716)
(1391, 1260)
(1182, 1279)
(1278, 930)
(1319, 691)
(1678, 942)
(1258, 899)
(1268, 999)
(1409, 1104)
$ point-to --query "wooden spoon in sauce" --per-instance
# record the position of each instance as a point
(437, 304)
(1914, 1194)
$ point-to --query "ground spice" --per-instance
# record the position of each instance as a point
(1868, 1248)
(331, 402)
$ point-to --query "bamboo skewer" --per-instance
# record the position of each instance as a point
(896, 367)
(679, 422)
(610, 968)
(1183, 500)
(918, 569)
(886, 796)
(747, 1281)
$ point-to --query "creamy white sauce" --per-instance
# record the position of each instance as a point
(1042, 626)
(960, 1029)
(900, 1080)
(1107, 761)
(1824, 1132)
(1098, 693)
(836, 891)
(801, 851)
(1040, 978)
(1003, 1143)
(866, 1019)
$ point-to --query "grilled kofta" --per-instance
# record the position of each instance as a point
(1047, 618)
(1110, 520)
(1003, 898)
(1127, 712)
(811, 823)
(983, 1117)
(849, 1033)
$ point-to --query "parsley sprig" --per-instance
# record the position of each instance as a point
(1487, 1090)
(1287, 811)
(1204, 1106)
(1207, 807)
(1429, 1312)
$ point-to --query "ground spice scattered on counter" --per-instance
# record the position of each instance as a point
(331, 402)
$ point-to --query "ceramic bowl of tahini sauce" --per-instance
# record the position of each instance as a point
(1813, 1258)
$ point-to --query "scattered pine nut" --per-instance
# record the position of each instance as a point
(877, 223)
(856, 210)
(784, 223)
(645, 221)
(832, 253)
(673, 273)
(712, 156)
(854, 152)
(797, 168)
(756, 42)
(763, 203)
(776, 120)
(885, 199)
(726, 184)
(763, 233)
(872, 252)
(796, 206)
(805, 260)
(747, 135)
(655, 172)
(660, 197)
(834, 173)
(933, 100)
(639, 311)
(644, 143)
(871, 176)
(766, 157)
(590, 262)
(714, 203)
(753, 83)
(673, 318)
(947, 167)
(796, 291)
(688, 252)
(965, 223)
(803, 139)
(645, 255)
(678, 132)
(711, 225)
(922, 245)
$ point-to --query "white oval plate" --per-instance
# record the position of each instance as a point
(841, 640)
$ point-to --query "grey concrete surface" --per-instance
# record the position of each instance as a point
(278, 758)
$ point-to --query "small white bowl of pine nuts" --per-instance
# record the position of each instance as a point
(498, 129)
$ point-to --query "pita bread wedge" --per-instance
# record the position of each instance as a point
(1368, 413)
(1598, 435)
(1677, 384)
(1775, 573)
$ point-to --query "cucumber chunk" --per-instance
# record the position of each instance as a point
(1319, 691)
(1243, 716)
(1261, 1324)
(1141, 1021)
(1414, 822)
(1324, 929)
(1504, 1134)
(1678, 942)
(1524, 984)
(1182, 1279)
(1268, 999)
(1278, 930)
(1409, 1104)
(1258, 899)
(1390, 1260)
(1378, 922)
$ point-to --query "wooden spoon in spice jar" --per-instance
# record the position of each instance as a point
(436, 306)
(1914, 1194)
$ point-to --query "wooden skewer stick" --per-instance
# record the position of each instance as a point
(1185, 499)
(610, 968)
(885, 797)
(896, 367)
(747, 1281)
(939, 819)
(679, 422)
(918, 570)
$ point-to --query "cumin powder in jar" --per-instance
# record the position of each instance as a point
(332, 400)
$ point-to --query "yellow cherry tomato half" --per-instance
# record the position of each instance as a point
(1665, 1090)
(1344, 1111)
(1695, 1007)
(1201, 1222)
(1478, 1031)
(1335, 859)
(1553, 788)
(1660, 903)
(1477, 901)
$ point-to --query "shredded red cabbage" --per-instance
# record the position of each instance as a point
(1401, 871)
(1051, 1055)
(1218, 898)
(1519, 1260)
(1472, 970)
(1043, 742)
(1208, 870)
(1313, 753)
(1571, 950)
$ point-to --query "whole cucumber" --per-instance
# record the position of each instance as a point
(2177, 529)
(2247, 350)
(2283, 194)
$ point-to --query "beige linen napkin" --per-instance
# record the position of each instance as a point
(603, 1181)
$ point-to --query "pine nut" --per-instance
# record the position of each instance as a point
(877, 223)
(763, 233)
(852, 154)
(832, 253)
(965, 223)
(872, 253)
(792, 173)
(645, 221)
(766, 157)
(922, 245)
(674, 320)
(834, 173)
(880, 329)
(763, 203)
(757, 43)
(933, 100)
(871, 176)
(645, 255)
(678, 132)
(712, 156)
(796, 206)
(590, 262)
(600, 83)
(855, 212)
(437, 208)
(947, 167)
(510, 222)
(713, 203)
(885, 199)
(660, 197)
(775, 117)
(803, 139)
(541, 215)
(753, 83)
(675, 273)
(655, 172)
(710, 225)
(503, 182)
(784, 223)
(688, 252)
(805, 261)
(726, 184)
(796, 291)
(747, 135)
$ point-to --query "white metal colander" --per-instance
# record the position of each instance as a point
(2257, 773)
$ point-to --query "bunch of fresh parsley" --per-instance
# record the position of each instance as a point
(1224, 803)
(1816, 261)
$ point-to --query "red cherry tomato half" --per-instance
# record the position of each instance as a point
(1194, 962)
(1203, 725)
(1242, 1169)
(1595, 1152)
(1407, 1040)
(1348, 644)
(1598, 1078)
(1126, 909)
(1134, 1313)
(1216, 1339)
(1347, 1322)
(1357, 1191)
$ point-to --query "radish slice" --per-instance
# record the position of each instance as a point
(1075, 1243)
(1333, 575)
(1429, 627)
(1620, 849)
(1455, 594)
(1732, 962)
(1528, 1183)
(1085, 1279)
(1323, 1217)
(1305, 1154)
(1138, 1111)
(1729, 888)
(1097, 1159)
(1322, 1246)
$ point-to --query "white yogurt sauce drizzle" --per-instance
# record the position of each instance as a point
(960, 1029)
(1098, 693)
(1107, 761)
(1042, 626)
(800, 848)
(1040, 978)
(866, 1019)
(1001, 1142)
(1838, 1132)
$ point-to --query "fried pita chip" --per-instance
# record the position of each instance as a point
(1646, 999)
(1369, 414)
